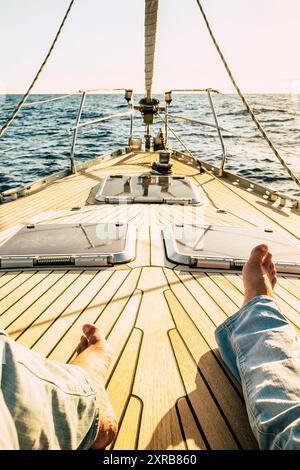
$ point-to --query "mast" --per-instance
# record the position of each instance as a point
(151, 10)
(149, 106)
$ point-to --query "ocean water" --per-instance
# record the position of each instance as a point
(42, 135)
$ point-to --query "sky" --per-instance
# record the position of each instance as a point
(102, 45)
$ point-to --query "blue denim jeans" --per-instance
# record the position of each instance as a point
(44, 404)
(262, 350)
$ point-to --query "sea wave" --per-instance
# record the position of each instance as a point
(50, 123)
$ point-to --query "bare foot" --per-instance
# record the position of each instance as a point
(94, 356)
(259, 274)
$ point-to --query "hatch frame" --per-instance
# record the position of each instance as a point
(174, 255)
(72, 259)
(198, 197)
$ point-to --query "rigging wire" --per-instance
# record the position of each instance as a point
(206, 124)
(26, 95)
(245, 102)
(32, 103)
(246, 138)
(96, 121)
(269, 107)
(179, 140)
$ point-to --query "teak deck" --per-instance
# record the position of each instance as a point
(167, 382)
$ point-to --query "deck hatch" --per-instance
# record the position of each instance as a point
(148, 188)
(225, 247)
(69, 245)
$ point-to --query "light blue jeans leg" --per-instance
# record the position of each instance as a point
(262, 350)
(44, 404)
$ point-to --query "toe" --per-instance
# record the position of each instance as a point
(272, 267)
(83, 344)
(94, 336)
(274, 281)
(92, 333)
(258, 254)
(268, 263)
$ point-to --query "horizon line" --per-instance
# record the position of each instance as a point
(108, 92)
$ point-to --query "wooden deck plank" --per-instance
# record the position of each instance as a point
(129, 432)
(119, 388)
(292, 288)
(60, 197)
(61, 324)
(157, 249)
(206, 301)
(279, 213)
(7, 276)
(93, 214)
(24, 322)
(113, 292)
(226, 197)
(122, 329)
(212, 422)
(288, 297)
(288, 311)
(11, 282)
(294, 281)
(223, 282)
(19, 292)
(227, 218)
(220, 387)
(56, 307)
(196, 312)
(114, 308)
(16, 310)
(192, 435)
(221, 298)
(276, 216)
(215, 211)
(182, 214)
(157, 382)
(142, 247)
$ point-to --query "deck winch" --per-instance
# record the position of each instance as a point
(164, 164)
(148, 107)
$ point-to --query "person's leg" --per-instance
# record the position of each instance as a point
(262, 350)
(94, 357)
(47, 405)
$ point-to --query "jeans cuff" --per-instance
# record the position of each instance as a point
(233, 318)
